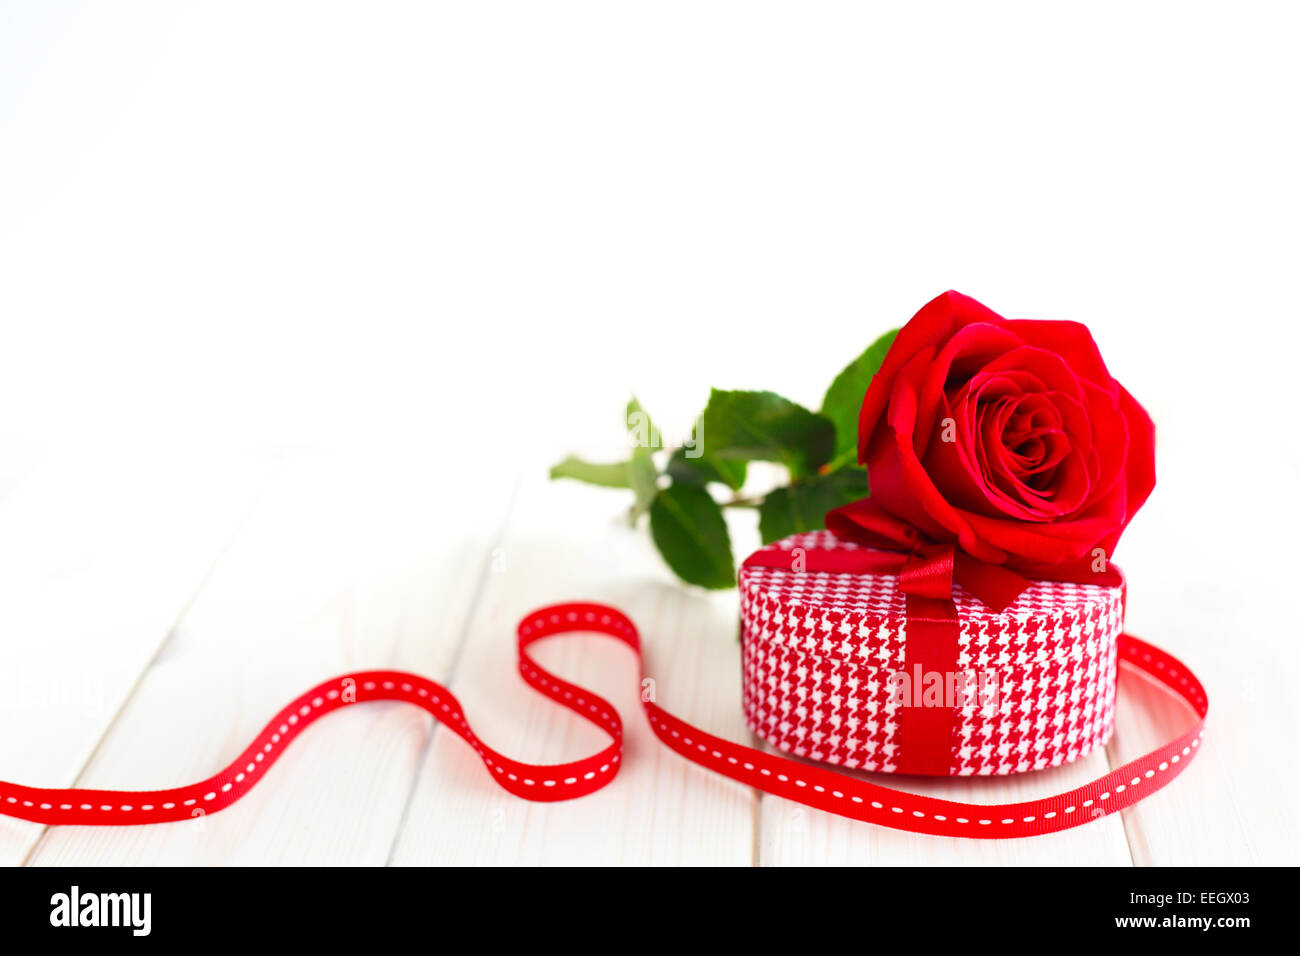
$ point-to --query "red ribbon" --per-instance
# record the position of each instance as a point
(812, 786)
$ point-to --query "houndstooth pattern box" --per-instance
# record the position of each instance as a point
(824, 659)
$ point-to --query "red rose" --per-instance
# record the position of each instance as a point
(1005, 436)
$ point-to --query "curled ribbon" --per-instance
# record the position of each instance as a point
(819, 787)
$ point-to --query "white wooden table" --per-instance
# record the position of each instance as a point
(155, 610)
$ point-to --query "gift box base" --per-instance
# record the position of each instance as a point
(824, 677)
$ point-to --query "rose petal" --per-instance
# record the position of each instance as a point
(934, 324)
(1060, 337)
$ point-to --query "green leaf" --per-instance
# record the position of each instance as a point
(689, 531)
(645, 436)
(802, 506)
(642, 475)
(701, 470)
(763, 426)
(843, 399)
(644, 480)
(613, 475)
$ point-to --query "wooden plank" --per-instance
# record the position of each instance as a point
(241, 649)
(1198, 590)
(794, 835)
(568, 541)
(100, 551)
(346, 563)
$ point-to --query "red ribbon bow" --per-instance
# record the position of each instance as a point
(929, 571)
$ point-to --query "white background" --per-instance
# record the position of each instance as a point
(466, 232)
(306, 222)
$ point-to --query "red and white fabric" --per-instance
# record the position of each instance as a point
(818, 649)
